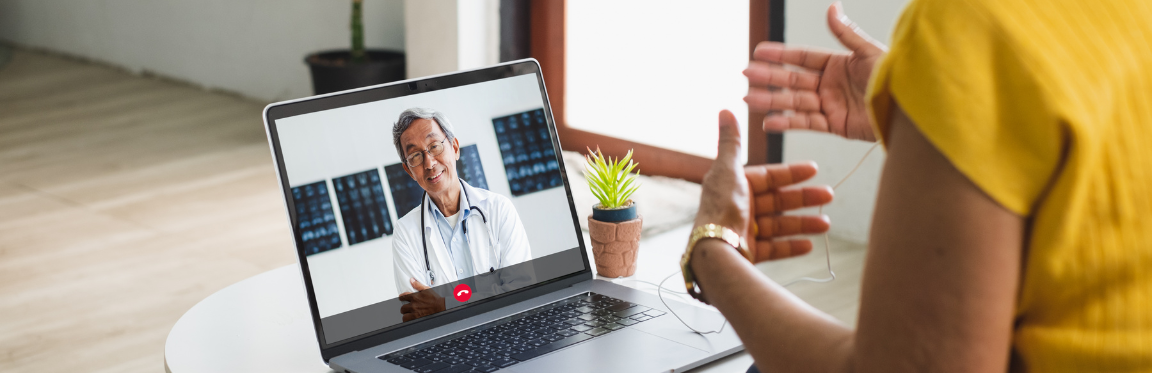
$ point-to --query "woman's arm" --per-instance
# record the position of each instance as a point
(940, 280)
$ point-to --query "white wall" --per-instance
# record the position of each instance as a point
(252, 47)
(450, 35)
(851, 210)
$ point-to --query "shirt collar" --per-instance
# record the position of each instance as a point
(464, 206)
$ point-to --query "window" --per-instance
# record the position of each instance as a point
(656, 73)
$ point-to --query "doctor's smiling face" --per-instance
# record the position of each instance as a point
(436, 173)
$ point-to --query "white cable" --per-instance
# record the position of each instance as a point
(827, 260)
(660, 293)
(649, 283)
(660, 289)
(827, 245)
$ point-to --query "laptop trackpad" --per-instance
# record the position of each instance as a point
(625, 350)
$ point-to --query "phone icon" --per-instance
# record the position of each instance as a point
(462, 292)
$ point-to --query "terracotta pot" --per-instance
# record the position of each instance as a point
(615, 246)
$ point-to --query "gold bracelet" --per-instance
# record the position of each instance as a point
(709, 231)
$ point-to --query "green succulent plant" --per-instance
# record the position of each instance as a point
(611, 181)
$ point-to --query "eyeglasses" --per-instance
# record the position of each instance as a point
(417, 158)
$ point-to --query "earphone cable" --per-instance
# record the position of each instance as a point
(660, 293)
(827, 260)
(827, 244)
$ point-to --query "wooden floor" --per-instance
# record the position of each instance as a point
(126, 200)
(123, 201)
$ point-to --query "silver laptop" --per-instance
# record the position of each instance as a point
(459, 250)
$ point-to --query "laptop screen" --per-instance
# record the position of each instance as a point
(417, 202)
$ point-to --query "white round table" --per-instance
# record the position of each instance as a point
(262, 324)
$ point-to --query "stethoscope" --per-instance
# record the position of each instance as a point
(423, 231)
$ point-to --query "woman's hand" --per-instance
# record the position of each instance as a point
(736, 196)
(826, 93)
(769, 203)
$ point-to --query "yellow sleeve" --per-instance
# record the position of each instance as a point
(956, 73)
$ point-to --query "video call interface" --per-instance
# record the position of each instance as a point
(357, 210)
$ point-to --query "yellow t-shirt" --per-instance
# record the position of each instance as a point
(1047, 107)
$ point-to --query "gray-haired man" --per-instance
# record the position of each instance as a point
(457, 231)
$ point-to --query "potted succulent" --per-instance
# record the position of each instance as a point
(614, 225)
(338, 70)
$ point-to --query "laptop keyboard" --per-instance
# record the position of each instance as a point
(523, 336)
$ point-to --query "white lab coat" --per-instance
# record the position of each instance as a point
(499, 243)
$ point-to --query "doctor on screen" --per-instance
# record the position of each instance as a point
(457, 231)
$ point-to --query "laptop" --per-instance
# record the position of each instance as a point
(390, 285)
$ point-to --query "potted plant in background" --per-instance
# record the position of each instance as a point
(614, 225)
(338, 70)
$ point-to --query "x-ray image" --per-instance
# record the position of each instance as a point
(528, 155)
(363, 206)
(406, 192)
(315, 221)
(470, 168)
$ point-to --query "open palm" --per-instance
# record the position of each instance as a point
(826, 92)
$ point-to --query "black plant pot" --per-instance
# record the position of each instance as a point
(614, 215)
(332, 71)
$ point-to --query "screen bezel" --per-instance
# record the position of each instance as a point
(281, 110)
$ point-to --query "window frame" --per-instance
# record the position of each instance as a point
(547, 27)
